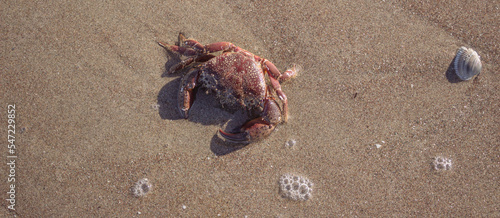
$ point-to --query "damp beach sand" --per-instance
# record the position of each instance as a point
(375, 104)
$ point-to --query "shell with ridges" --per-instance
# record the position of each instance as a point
(467, 63)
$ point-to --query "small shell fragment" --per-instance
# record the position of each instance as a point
(467, 63)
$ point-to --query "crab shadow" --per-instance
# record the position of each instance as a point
(205, 110)
(220, 147)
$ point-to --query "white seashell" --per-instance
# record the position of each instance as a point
(467, 63)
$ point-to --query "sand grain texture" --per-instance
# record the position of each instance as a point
(85, 77)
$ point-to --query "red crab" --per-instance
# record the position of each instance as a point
(238, 78)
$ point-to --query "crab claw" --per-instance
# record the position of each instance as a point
(253, 130)
(258, 128)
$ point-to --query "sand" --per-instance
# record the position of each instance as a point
(375, 103)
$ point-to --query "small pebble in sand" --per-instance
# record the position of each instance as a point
(141, 187)
(441, 163)
(155, 106)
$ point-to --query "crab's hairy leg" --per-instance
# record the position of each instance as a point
(221, 46)
(257, 128)
(287, 75)
(277, 87)
(187, 92)
(181, 38)
(198, 47)
(179, 49)
(204, 57)
(181, 65)
(191, 43)
(188, 61)
(274, 75)
(290, 73)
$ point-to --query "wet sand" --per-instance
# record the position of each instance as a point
(95, 111)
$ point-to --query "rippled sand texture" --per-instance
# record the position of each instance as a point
(375, 105)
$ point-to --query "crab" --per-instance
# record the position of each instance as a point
(239, 79)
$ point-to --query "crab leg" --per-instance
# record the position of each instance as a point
(290, 73)
(276, 77)
(198, 47)
(192, 53)
(221, 46)
(274, 72)
(178, 49)
(181, 65)
(188, 61)
(277, 87)
(257, 128)
(187, 92)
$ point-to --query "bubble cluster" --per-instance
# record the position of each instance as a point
(441, 163)
(290, 143)
(141, 187)
(295, 187)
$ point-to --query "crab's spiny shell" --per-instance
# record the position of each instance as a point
(236, 79)
(467, 63)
